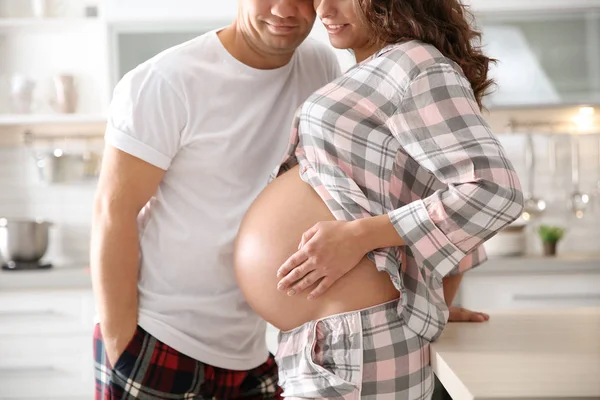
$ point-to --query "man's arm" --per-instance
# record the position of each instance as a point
(125, 185)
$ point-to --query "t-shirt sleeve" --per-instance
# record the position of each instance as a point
(146, 117)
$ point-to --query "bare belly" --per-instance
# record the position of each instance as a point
(270, 233)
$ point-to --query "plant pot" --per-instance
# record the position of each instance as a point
(550, 248)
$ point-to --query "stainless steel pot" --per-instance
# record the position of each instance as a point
(23, 240)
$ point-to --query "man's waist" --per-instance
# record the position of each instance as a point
(224, 343)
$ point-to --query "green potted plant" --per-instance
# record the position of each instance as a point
(550, 236)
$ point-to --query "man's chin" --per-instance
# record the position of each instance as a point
(284, 46)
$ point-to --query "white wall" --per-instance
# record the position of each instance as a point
(556, 187)
(69, 207)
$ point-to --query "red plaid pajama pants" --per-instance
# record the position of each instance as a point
(149, 369)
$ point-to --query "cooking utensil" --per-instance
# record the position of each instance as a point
(59, 166)
(579, 201)
(23, 241)
(56, 166)
(597, 188)
(533, 206)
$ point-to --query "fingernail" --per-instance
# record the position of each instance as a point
(279, 274)
(279, 287)
(310, 297)
(291, 292)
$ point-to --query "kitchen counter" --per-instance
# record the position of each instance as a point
(58, 277)
(522, 355)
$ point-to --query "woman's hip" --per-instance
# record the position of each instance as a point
(354, 355)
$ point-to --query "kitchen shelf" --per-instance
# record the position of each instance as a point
(50, 119)
(42, 24)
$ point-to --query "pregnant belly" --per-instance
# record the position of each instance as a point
(270, 233)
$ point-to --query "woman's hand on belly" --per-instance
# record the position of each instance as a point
(330, 249)
(327, 251)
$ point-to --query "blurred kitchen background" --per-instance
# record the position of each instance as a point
(60, 59)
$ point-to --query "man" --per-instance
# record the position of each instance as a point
(192, 137)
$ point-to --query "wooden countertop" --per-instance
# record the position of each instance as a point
(522, 355)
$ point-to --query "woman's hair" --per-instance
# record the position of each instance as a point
(441, 23)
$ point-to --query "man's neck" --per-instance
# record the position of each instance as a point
(242, 49)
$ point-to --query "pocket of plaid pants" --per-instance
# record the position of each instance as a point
(312, 366)
(337, 351)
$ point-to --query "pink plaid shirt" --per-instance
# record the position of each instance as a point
(401, 133)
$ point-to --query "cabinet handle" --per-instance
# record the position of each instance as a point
(20, 370)
(29, 313)
(556, 297)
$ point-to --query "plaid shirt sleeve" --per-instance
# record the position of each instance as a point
(289, 159)
(439, 125)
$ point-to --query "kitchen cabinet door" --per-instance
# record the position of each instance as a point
(535, 291)
(133, 43)
(544, 57)
(46, 345)
(530, 5)
(173, 10)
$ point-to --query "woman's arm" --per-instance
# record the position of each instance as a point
(439, 125)
(450, 285)
(459, 314)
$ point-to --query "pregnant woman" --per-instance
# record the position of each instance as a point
(392, 181)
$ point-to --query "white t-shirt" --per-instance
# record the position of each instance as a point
(218, 128)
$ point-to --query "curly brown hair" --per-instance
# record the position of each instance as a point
(441, 23)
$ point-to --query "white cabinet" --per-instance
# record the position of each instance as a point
(530, 291)
(535, 5)
(132, 43)
(544, 57)
(38, 50)
(46, 347)
(160, 10)
(531, 284)
(548, 51)
(136, 10)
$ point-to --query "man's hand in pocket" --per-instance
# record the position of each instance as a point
(116, 341)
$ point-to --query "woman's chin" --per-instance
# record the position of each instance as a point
(339, 44)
